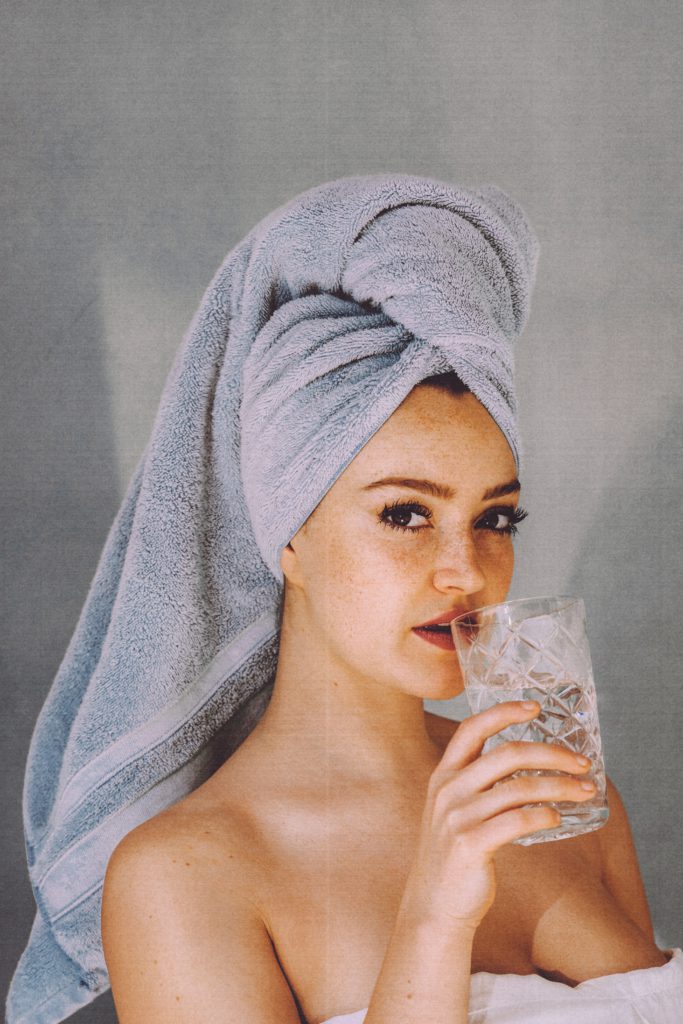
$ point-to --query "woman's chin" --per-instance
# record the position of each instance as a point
(437, 687)
(446, 693)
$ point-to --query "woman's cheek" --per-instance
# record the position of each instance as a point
(499, 564)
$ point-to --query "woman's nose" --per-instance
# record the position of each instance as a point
(458, 567)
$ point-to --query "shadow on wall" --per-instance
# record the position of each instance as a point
(630, 570)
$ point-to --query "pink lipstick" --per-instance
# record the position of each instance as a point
(438, 637)
(437, 631)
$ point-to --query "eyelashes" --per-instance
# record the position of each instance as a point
(399, 514)
(403, 510)
(513, 515)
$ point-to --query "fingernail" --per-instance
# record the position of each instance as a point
(582, 760)
(530, 705)
(587, 785)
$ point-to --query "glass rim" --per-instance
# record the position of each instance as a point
(465, 618)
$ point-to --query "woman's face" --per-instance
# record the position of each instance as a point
(418, 527)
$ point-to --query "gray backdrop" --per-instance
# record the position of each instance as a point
(145, 139)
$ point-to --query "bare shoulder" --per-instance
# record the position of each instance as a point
(200, 833)
(619, 860)
(615, 839)
(184, 937)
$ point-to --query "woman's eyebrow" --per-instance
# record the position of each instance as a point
(511, 487)
(441, 490)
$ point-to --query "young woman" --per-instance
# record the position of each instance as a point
(355, 851)
(333, 475)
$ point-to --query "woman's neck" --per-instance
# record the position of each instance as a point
(323, 713)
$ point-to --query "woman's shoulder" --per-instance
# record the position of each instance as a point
(202, 846)
(182, 921)
(226, 834)
(206, 829)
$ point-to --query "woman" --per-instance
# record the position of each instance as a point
(352, 852)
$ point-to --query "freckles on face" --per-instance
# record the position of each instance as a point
(347, 564)
(418, 525)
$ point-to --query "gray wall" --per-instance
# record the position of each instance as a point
(145, 139)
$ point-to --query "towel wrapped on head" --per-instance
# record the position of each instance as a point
(313, 331)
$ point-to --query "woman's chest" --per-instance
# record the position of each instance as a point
(331, 911)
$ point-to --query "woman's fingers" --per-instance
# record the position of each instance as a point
(478, 802)
(511, 825)
(470, 770)
(517, 793)
(467, 742)
(512, 757)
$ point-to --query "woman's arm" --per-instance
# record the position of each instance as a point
(474, 806)
(425, 975)
(183, 944)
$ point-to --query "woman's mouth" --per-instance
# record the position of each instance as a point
(439, 635)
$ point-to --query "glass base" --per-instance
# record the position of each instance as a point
(575, 822)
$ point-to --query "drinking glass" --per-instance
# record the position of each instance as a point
(537, 649)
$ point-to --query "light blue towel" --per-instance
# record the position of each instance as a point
(315, 328)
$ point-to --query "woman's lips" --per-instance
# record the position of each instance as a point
(440, 638)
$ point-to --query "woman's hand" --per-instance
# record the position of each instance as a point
(467, 817)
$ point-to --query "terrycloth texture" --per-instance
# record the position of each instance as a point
(315, 328)
(650, 996)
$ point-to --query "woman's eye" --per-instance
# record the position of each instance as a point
(405, 516)
(502, 520)
(411, 517)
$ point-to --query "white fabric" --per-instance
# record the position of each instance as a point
(650, 996)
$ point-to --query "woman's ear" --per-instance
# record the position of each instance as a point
(289, 563)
